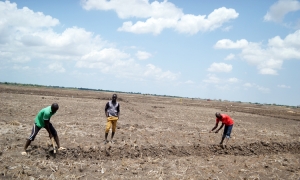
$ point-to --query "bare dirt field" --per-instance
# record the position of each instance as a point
(156, 138)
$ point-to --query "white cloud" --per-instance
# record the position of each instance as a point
(282, 7)
(233, 80)
(226, 29)
(16, 67)
(268, 71)
(111, 60)
(142, 55)
(156, 72)
(269, 58)
(263, 89)
(79, 74)
(222, 83)
(17, 22)
(220, 67)
(107, 55)
(260, 88)
(228, 44)
(192, 24)
(263, 59)
(161, 15)
(28, 36)
(20, 58)
(248, 85)
(290, 42)
(212, 79)
(22, 17)
(284, 86)
(56, 67)
(269, 66)
(230, 57)
(151, 25)
(135, 8)
(108, 60)
(189, 82)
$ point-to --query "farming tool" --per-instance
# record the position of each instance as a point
(53, 144)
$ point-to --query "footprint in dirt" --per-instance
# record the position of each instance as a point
(107, 147)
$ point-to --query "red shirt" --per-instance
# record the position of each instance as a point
(225, 120)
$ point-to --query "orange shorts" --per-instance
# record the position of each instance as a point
(111, 122)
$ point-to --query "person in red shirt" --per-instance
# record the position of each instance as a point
(228, 122)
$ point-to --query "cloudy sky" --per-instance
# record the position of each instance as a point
(245, 51)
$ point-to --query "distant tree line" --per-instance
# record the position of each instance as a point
(89, 89)
(85, 89)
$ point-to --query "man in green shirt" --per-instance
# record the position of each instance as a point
(42, 120)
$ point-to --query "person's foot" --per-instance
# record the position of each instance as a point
(106, 141)
(24, 153)
(112, 141)
(61, 148)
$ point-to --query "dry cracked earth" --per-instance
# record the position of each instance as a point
(156, 138)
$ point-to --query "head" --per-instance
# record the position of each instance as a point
(114, 97)
(54, 107)
(218, 115)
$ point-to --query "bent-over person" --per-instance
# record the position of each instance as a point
(228, 122)
(42, 120)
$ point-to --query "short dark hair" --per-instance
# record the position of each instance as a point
(54, 107)
(114, 96)
(218, 115)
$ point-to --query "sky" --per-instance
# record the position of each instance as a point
(231, 50)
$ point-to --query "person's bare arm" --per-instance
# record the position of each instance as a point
(219, 128)
(118, 113)
(105, 109)
(214, 127)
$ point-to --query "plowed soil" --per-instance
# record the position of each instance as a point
(157, 138)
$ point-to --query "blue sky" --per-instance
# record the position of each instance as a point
(245, 51)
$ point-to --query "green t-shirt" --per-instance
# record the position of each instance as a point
(44, 114)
